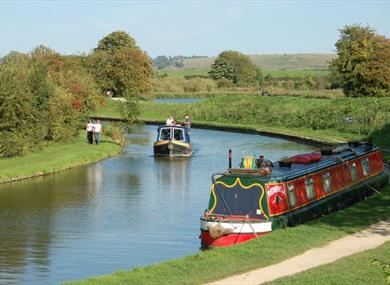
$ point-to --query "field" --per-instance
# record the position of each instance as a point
(273, 61)
(182, 72)
(292, 73)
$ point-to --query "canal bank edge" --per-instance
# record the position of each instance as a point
(242, 129)
(67, 155)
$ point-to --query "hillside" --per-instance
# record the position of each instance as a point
(273, 61)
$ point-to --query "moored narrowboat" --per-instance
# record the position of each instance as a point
(172, 141)
(258, 198)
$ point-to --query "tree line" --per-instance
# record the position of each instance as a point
(45, 96)
(362, 68)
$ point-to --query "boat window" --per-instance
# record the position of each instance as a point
(178, 134)
(291, 194)
(352, 169)
(309, 188)
(366, 166)
(326, 182)
(165, 134)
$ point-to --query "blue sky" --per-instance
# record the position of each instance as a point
(187, 27)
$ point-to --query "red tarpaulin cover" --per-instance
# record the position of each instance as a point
(306, 158)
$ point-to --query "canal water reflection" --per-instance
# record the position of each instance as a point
(127, 211)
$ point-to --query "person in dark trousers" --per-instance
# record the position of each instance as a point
(187, 125)
(89, 131)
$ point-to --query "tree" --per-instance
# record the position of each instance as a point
(43, 97)
(116, 40)
(363, 63)
(119, 65)
(237, 68)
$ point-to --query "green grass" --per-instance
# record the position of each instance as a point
(182, 72)
(222, 262)
(287, 116)
(321, 119)
(296, 73)
(293, 73)
(273, 61)
(352, 270)
(111, 109)
(57, 157)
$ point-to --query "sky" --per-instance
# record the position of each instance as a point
(187, 27)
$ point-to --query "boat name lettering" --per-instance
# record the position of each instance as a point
(273, 189)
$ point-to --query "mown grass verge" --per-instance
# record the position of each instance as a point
(223, 262)
(321, 120)
(57, 157)
(352, 270)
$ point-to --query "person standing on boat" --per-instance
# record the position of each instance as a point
(170, 121)
(259, 161)
(187, 126)
(97, 129)
(89, 131)
(187, 122)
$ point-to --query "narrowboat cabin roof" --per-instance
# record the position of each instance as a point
(165, 126)
(280, 173)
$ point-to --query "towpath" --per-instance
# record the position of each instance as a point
(370, 238)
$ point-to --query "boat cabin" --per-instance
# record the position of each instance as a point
(178, 133)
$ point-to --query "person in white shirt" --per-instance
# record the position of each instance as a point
(97, 130)
(89, 131)
(170, 121)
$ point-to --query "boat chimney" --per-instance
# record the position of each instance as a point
(230, 158)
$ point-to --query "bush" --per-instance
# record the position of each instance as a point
(115, 132)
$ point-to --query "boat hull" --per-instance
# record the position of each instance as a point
(172, 149)
(230, 232)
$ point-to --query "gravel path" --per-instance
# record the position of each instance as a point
(370, 238)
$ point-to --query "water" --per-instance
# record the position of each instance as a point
(178, 100)
(127, 211)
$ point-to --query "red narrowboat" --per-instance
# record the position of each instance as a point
(252, 201)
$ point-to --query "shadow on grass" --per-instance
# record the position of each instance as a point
(374, 209)
(382, 138)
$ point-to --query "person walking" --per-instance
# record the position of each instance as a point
(89, 131)
(97, 130)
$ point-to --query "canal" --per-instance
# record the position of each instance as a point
(124, 212)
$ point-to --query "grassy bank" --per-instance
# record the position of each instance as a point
(332, 120)
(222, 262)
(57, 157)
(352, 270)
(313, 118)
